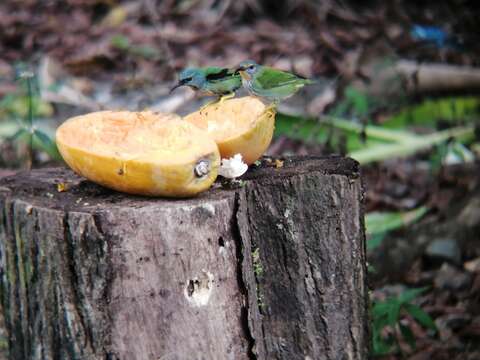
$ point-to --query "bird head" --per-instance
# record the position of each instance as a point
(247, 69)
(190, 77)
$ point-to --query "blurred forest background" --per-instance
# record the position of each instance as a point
(398, 89)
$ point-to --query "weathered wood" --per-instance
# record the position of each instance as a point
(272, 269)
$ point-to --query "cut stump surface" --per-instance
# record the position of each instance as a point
(273, 268)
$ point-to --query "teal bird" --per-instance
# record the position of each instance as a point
(212, 80)
(269, 83)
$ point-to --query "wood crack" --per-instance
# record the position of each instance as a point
(78, 299)
(241, 281)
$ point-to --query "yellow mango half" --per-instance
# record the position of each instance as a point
(141, 153)
(238, 126)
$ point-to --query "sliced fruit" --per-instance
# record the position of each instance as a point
(239, 126)
(140, 152)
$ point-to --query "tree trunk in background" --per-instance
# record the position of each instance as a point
(270, 269)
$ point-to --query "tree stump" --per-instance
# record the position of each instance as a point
(269, 268)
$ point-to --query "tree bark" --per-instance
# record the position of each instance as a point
(271, 268)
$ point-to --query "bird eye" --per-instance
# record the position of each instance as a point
(186, 80)
(251, 67)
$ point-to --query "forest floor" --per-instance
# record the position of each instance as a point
(424, 206)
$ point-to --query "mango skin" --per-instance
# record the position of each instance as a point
(139, 176)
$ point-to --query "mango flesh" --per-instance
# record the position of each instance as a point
(140, 152)
(238, 126)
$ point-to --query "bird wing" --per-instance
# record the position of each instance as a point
(216, 73)
(272, 78)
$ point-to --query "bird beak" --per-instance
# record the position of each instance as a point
(237, 70)
(180, 83)
(242, 71)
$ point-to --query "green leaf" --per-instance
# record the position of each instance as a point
(408, 335)
(427, 113)
(457, 153)
(380, 143)
(380, 309)
(382, 222)
(337, 134)
(123, 43)
(371, 269)
(381, 346)
(8, 128)
(393, 313)
(145, 51)
(16, 105)
(120, 42)
(22, 133)
(386, 312)
(340, 109)
(410, 294)
(358, 100)
(375, 240)
(370, 131)
(411, 146)
(437, 156)
(421, 316)
(46, 144)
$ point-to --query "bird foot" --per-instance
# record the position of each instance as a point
(226, 97)
(207, 105)
(218, 101)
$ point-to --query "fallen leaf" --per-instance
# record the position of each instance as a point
(61, 187)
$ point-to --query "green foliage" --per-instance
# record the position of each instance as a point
(7, 129)
(375, 240)
(392, 139)
(332, 134)
(377, 224)
(411, 145)
(458, 153)
(453, 110)
(359, 101)
(123, 43)
(120, 42)
(388, 313)
(379, 143)
(356, 104)
(20, 110)
(16, 105)
(450, 153)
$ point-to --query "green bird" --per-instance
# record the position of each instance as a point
(269, 83)
(212, 80)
